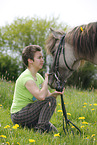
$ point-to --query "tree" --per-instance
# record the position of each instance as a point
(26, 31)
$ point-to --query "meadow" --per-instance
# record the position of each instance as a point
(81, 106)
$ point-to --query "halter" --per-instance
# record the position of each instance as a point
(55, 72)
(60, 86)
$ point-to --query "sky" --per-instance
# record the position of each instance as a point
(70, 12)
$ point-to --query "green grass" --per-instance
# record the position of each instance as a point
(78, 104)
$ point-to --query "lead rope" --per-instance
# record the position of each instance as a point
(67, 121)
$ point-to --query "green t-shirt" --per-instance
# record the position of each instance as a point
(22, 96)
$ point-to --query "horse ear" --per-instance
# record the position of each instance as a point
(56, 34)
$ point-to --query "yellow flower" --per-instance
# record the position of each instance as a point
(72, 127)
(81, 28)
(93, 109)
(82, 126)
(18, 143)
(3, 136)
(6, 126)
(57, 135)
(84, 106)
(81, 118)
(59, 111)
(90, 105)
(16, 125)
(93, 135)
(0, 105)
(68, 114)
(31, 140)
(95, 104)
(87, 137)
(85, 103)
(8, 143)
(59, 104)
(84, 122)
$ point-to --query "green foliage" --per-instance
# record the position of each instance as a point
(8, 67)
(78, 104)
(85, 77)
(27, 31)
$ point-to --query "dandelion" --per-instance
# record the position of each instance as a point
(59, 111)
(68, 114)
(59, 104)
(84, 106)
(0, 106)
(90, 105)
(93, 109)
(95, 104)
(72, 127)
(31, 140)
(81, 29)
(15, 126)
(7, 126)
(81, 118)
(93, 135)
(85, 103)
(18, 143)
(55, 135)
(3, 136)
(84, 122)
(82, 126)
(87, 137)
(8, 143)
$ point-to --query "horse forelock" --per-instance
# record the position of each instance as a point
(84, 38)
(50, 43)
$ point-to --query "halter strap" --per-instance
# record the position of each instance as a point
(56, 62)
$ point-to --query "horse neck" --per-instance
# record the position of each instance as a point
(73, 58)
(88, 57)
(70, 56)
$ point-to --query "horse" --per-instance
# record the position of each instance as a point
(69, 49)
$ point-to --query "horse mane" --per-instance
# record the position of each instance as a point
(84, 39)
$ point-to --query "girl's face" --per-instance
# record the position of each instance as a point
(38, 60)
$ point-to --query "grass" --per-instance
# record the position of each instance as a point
(78, 104)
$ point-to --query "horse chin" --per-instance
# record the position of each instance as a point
(52, 84)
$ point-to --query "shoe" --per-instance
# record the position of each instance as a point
(48, 128)
(52, 128)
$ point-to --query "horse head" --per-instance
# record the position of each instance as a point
(63, 61)
(67, 51)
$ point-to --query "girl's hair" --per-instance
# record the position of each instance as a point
(29, 52)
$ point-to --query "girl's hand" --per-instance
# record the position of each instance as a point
(46, 78)
(56, 93)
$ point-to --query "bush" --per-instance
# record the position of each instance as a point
(85, 77)
(8, 67)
